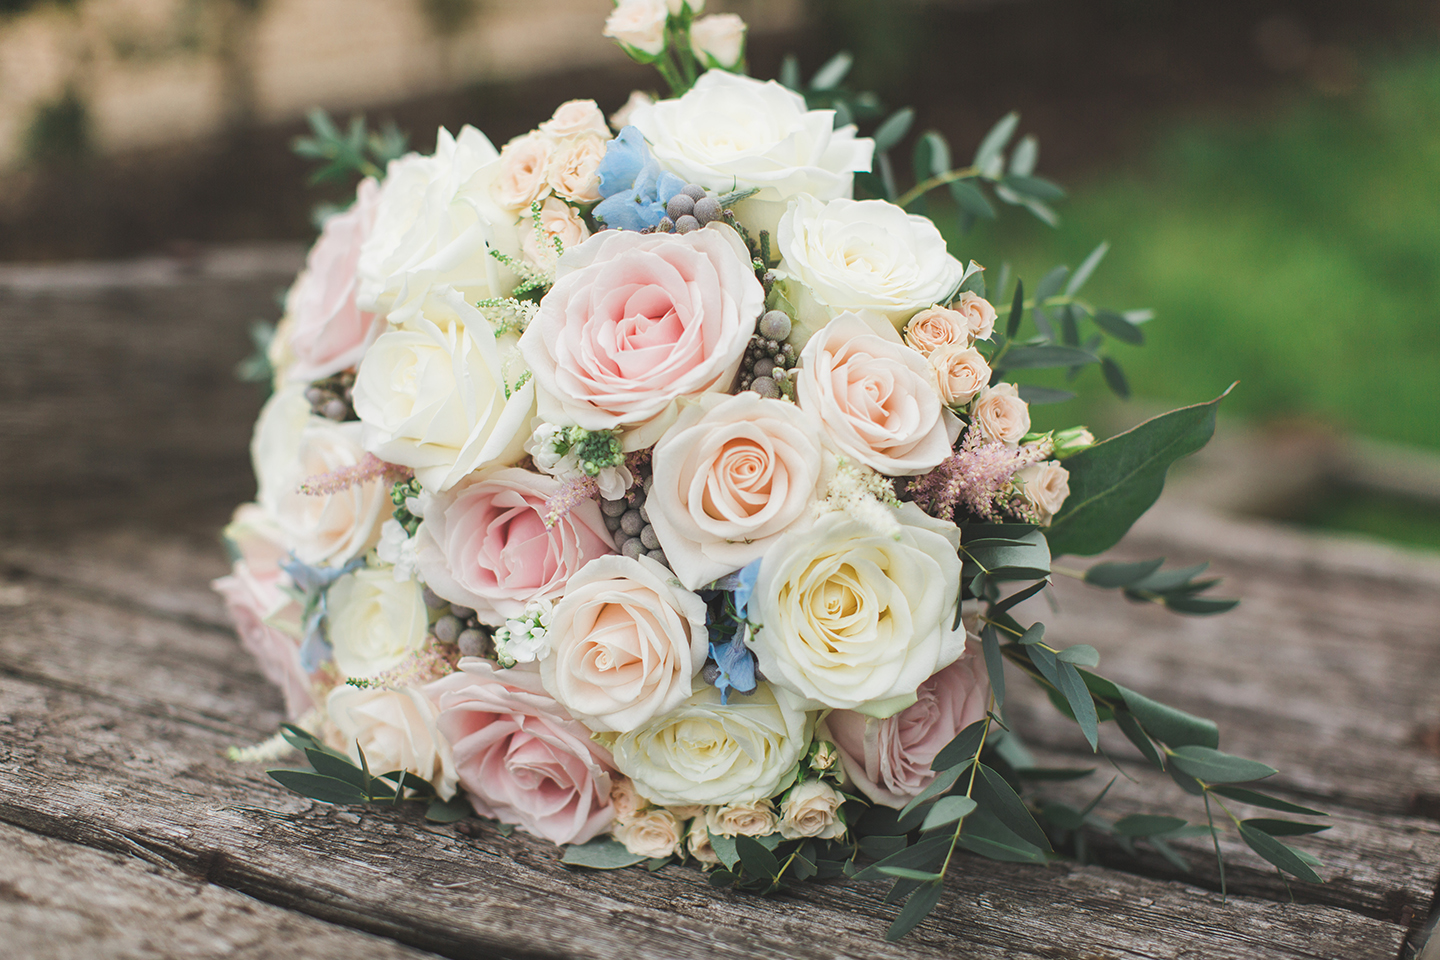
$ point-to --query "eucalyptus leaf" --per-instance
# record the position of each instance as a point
(319, 787)
(971, 199)
(1203, 606)
(1087, 267)
(757, 861)
(1046, 356)
(942, 783)
(1115, 575)
(1033, 395)
(1115, 378)
(1211, 766)
(1001, 800)
(987, 157)
(946, 811)
(829, 76)
(1031, 186)
(1051, 283)
(1024, 156)
(1285, 828)
(1119, 328)
(905, 873)
(1136, 735)
(893, 130)
(963, 748)
(448, 811)
(1258, 799)
(1082, 655)
(1147, 825)
(1018, 597)
(1017, 310)
(994, 664)
(331, 766)
(603, 853)
(1278, 854)
(917, 908)
(724, 848)
(1169, 725)
(926, 853)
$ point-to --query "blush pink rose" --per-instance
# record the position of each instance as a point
(484, 543)
(635, 322)
(520, 757)
(889, 760)
(328, 332)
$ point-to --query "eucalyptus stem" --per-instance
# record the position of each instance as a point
(925, 186)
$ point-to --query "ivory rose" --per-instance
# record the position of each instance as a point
(651, 833)
(440, 394)
(960, 373)
(435, 223)
(706, 752)
(875, 399)
(524, 166)
(889, 760)
(290, 446)
(395, 729)
(811, 809)
(575, 169)
(328, 332)
(558, 220)
(636, 322)
(937, 328)
(375, 621)
(718, 40)
(1001, 414)
(484, 543)
(519, 756)
(853, 619)
(576, 118)
(639, 26)
(979, 314)
(865, 256)
(731, 132)
(731, 476)
(626, 643)
(1045, 486)
(754, 818)
(697, 841)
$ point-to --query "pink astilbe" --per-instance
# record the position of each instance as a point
(571, 492)
(978, 478)
(432, 663)
(369, 468)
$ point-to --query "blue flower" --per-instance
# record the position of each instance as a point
(635, 189)
(736, 663)
(744, 587)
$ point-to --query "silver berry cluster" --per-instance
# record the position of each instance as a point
(769, 360)
(629, 521)
(690, 209)
(333, 397)
(457, 625)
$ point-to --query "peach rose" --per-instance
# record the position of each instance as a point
(395, 729)
(519, 756)
(937, 328)
(811, 809)
(524, 165)
(484, 543)
(558, 220)
(875, 399)
(697, 841)
(753, 819)
(575, 170)
(960, 372)
(626, 643)
(978, 313)
(635, 322)
(1001, 414)
(731, 475)
(889, 760)
(652, 833)
(327, 332)
(1046, 486)
(576, 118)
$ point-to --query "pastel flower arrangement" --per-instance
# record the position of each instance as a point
(647, 491)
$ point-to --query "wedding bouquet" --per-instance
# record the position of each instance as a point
(638, 486)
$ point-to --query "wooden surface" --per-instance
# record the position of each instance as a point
(121, 685)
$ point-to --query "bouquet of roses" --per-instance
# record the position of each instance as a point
(638, 486)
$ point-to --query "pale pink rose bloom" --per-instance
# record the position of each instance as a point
(520, 757)
(732, 475)
(1046, 486)
(936, 328)
(327, 331)
(889, 760)
(978, 313)
(484, 543)
(875, 398)
(1001, 414)
(575, 169)
(638, 98)
(960, 372)
(557, 219)
(718, 40)
(575, 118)
(524, 164)
(639, 24)
(652, 833)
(635, 322)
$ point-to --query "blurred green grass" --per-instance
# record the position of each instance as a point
(1298, 254)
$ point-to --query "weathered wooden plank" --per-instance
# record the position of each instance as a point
(62, 901)
(111, 778)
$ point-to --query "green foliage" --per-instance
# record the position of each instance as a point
(357, 152)
(59, 130)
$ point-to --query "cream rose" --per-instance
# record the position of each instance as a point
(621, 118)
(639, 25)
(636, 322)
(937, 328)
(1045, 486)
(524, 166)
(652, 833)
(755, 818)
(732, 132)
(865, 256)
(960, 373)
(1001, 414)
(575, 170)
(576, 118)
(436, 223)
(374, 621)
(732, 475)
(875, 399)
(697, 841)
(396, 731)
(854, 619)
(811, 809)
(706, 752)
(978, 313)
(558, 220)
(439, 395)
(626, 643)
(718, 40)
(624, 799)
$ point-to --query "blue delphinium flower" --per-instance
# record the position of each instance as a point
(736, 665)
(635, 189)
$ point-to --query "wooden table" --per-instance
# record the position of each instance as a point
(127, 833)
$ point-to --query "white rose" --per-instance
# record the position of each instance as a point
(706, 752)
(396, 730)
(438, 395)
(960, 372)
(676, 7)
(1001, 414)
(652, 833)
(755, 818)
(576, 118)
(639, 25)
(626, 643)
(875, 399)
(853, 619)
(732, 132)
(731, 476)
(436, 224)
(866, 256)
(718, 40)
(557, 220)
(374, 621)
(811, 809)
(290, 446)
(1046, 486)
(575, 169)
